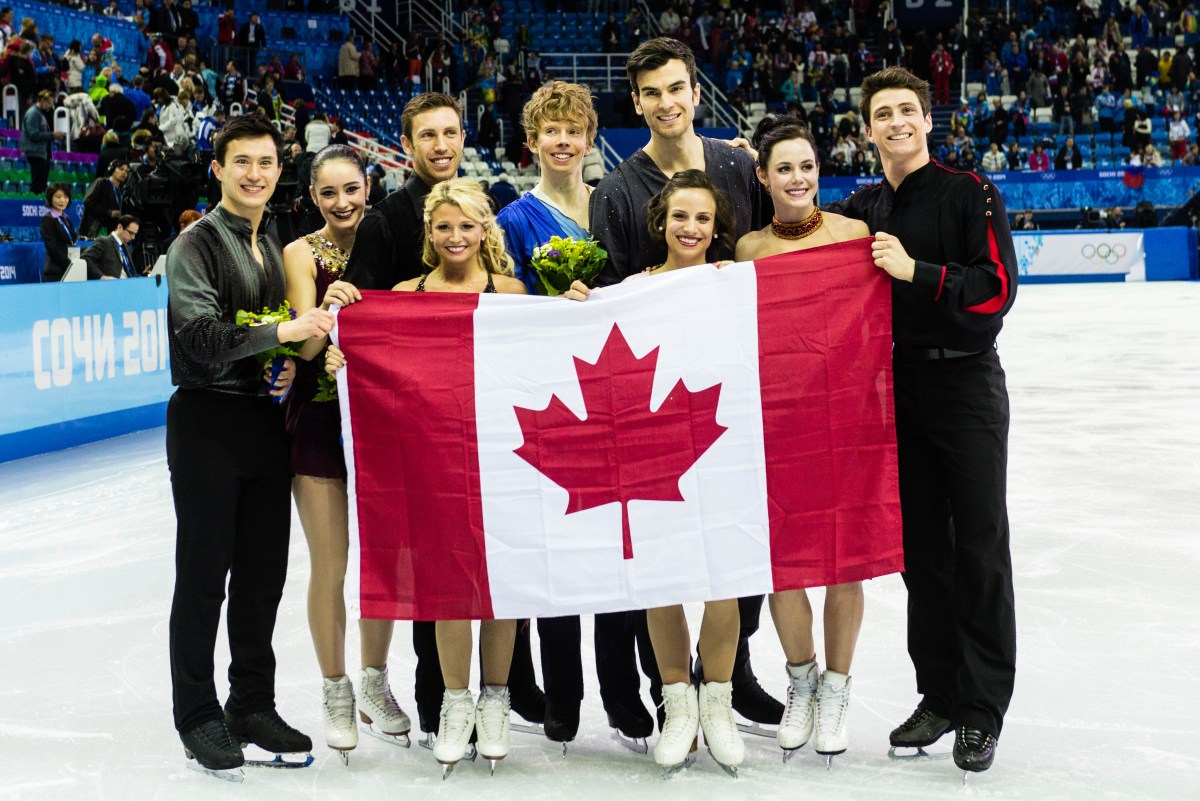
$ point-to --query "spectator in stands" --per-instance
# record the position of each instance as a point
(993, 73)
(1024, 222)
(1039, 89)
(1178, 132)
(1069, 156)
(502, 192)
(176, 119)
(1107, 102)
(21, 70)
(6, 26)
(269, 99)
(206, 129)
(118, 111)
(111, 150)
(232, 87)
(294, 70)
(337, 133)
(1151, 157)
(994, 160)
(159, 57)
(317, 133)
(610, 35)
(1063, 112)
(368, 66)
(1142, 129)
(227, 27)
(1017, 66)
(1147, 65)
(1039, 160)
(1115, 218)
(165, 19)
(1016, 159)
(45, 63)
(252, 35)
(189, 20)
(73, 59)
(37, 137)
(57, 231)
(110, 256)
(103, 202)
(348, 61)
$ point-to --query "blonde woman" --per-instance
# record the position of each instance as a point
(464, 249)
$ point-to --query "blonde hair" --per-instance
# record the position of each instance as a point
(559, 100)
(469, 197)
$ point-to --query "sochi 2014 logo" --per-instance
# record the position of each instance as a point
(1103, 253)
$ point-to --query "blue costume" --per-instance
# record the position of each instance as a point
(528, 223)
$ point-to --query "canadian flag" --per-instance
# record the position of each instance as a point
(703, 434)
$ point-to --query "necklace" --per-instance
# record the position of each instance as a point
(797, 230)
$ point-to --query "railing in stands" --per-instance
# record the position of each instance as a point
(379, 29)
(438, 16)
(604, 71)
(723, 112)
(396, 164)
(610, 156)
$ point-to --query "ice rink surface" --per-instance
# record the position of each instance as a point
(1104, 498)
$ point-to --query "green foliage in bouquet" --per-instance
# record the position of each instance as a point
(564, 260)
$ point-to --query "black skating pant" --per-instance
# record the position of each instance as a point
(952, 432)
(231, 481)
(616, 634)
(560, 641)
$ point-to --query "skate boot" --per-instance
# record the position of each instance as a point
(562, 722)
(491, 723)
(922, 729)
(750, 700)
(677, 741)
(529, 702)
(210, 749)
(338, 702)
(721, 733)
(833, 706)
(798, 716)
(455, 726)
(291, 748)
(630, 722)
(974, 750)
(377, 708)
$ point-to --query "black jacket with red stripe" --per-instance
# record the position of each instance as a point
(953, 224)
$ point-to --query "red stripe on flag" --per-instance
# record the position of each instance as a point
(422, 553)
(824, 328)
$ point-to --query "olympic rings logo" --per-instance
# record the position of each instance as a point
(1103, 253)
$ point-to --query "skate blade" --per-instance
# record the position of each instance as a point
(638, 745)
(528, 728)
(232, 775)
(259, 757)
(732, 770)
(790, 753)
(829, 758)
(900, 753)
(401, 740)
(670, 771)
(758, 730)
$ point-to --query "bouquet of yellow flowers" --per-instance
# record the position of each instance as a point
(564, 260)
(273, 356)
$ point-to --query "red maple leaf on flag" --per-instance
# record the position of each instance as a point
(622, 450)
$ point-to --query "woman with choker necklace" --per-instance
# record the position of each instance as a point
(788, 168)
(695, 220)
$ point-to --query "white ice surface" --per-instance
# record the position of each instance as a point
(1104, 498)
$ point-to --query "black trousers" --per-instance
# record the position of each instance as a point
(428, 683)
(39, 175)
(952, 432)
(231, 481)
(560, 640)
(616, 635)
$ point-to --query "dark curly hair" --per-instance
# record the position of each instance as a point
(723, 233)
(775, 128)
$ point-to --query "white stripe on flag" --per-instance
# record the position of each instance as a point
(539, 557)
(353, 553)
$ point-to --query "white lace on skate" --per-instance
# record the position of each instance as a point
(341, 734)
(833, 703)
(455, 724)
(721, 733)
(492, 722)
(679, 729)
(799, 711)
(377, 705)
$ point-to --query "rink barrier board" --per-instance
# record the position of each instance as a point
(52, 403)
(84, 361)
